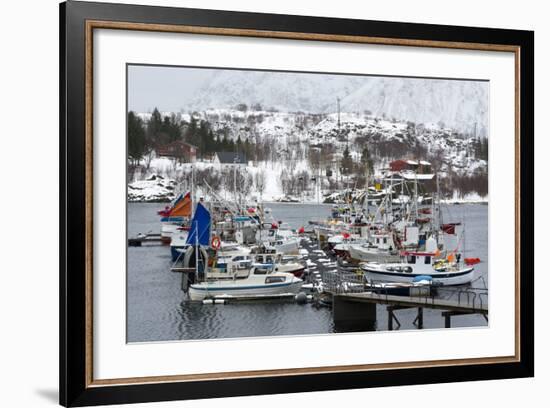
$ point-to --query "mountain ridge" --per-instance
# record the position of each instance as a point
(459, 104)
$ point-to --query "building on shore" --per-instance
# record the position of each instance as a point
(180, 150)
(229, 160)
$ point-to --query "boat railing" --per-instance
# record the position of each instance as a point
(340, 282)
(475, 298)
(352, 282)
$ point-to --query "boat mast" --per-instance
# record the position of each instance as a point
(194, 203)
(196, 249)
(367, 186)
(438, 195)
(235, 181)
(415, 195)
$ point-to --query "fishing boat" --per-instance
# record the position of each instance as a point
(282, 240)
(199, 231)
(173, 217)
(429, 265)
(178, 243)
(420, 264)
(380, 248)
(271, 258)
(342, 249)
(256, 281)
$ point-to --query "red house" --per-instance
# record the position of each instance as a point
(422, 167)
(179, 150)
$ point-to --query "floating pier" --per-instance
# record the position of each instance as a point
(141, 239)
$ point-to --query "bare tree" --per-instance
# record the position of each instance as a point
(148, 157)
(260, 180)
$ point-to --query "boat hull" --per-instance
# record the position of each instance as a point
(460, 277)
(206, 290)
(176, 252)
(167, 230)
(289, 247)
(296, 271)
(372, 255)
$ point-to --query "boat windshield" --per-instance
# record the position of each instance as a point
(275, 279)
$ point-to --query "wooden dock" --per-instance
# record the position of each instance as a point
(419, 301)
(359, 309)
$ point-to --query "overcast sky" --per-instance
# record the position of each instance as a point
(460, 104)
(162, 87)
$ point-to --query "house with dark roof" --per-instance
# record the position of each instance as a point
(230, 159)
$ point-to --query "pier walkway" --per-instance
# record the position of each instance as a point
(359, 309)
(420, 301)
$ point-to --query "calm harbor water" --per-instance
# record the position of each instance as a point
(158, 311)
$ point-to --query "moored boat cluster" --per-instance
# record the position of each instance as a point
(395, 235)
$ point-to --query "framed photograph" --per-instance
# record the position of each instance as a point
(257, 204)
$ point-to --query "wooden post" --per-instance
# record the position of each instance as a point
(447, 320)
(350, 315)
(420, 318)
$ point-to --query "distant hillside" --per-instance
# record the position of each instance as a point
(385, 139)
(295, 149)
(460, 105)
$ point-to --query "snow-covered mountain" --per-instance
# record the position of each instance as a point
(458, 104)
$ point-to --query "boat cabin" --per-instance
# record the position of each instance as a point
(382, 241)
(421, 262)
(267, 258)
(418, 258)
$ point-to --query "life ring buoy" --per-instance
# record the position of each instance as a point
(216, 243)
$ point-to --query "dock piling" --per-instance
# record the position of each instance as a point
(352, 316)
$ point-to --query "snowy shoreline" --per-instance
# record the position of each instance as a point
(159, 189)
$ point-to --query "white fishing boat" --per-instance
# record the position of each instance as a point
(380, 248)
(272, 258)
(420, 265)
(168, 229)
(282, 240)
(430, 264)
(342, 247)
(256, 281)
(287, 245)
(178, 243)
(174, 217)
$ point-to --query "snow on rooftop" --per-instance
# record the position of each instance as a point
(413, 176)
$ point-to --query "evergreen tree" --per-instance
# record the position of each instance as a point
(347, 162)
(137, 144)
(239, 144)
(154, 126)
